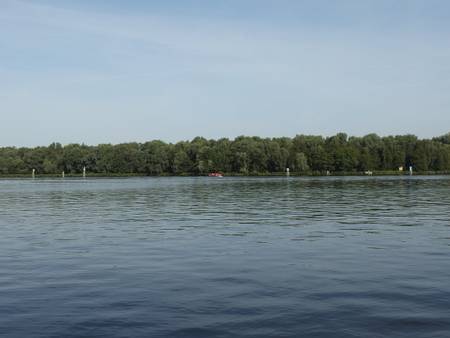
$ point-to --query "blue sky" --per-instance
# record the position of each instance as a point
(101, 71)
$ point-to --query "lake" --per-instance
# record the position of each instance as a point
(225, 257)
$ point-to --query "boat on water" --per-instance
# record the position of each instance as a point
(215, 174)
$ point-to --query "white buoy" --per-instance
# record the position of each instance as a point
(33, 174)
(287, 171)
(84, 172)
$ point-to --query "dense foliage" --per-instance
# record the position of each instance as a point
(243, 155)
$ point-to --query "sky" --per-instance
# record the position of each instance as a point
(112, 71)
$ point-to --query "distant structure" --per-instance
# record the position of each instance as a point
(400, 168)
(84, 172)
(33, 174)
(410, 170)
(368, 172)
(63, 174)
(287, 171)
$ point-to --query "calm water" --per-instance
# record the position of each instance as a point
(231, 257)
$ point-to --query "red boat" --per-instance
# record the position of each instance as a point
(215, 174)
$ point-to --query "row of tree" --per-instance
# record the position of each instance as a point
(243, 155)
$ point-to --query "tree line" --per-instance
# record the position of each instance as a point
(245, 155)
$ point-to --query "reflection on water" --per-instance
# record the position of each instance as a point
(245, 257)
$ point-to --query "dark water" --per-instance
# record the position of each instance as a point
(231, 257)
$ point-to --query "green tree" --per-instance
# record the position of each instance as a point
(301, 163)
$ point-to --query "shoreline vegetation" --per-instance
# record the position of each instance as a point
(304, 155)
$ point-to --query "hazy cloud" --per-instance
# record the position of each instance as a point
(106, 71)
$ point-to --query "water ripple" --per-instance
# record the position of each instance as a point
(243, 257)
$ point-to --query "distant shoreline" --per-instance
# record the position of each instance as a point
(302, 155)
(336, 174)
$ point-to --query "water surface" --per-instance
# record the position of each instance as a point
(231, 257)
